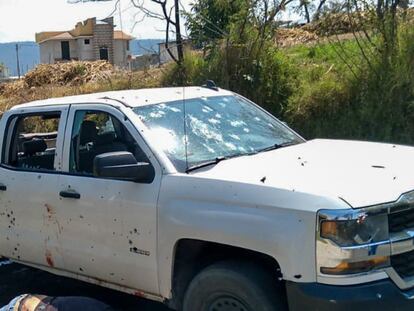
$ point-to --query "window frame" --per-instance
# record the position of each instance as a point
(9, 131)
(123, 119)
(87, 41)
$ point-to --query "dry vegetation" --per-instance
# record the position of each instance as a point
(74, 73)
(73, 78)
(286, 37)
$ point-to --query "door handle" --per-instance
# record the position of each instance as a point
(70, 194)
(3, 187)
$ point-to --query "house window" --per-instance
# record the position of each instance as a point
(127, 45)
(87, 41)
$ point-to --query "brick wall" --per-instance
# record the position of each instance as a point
(103, 37)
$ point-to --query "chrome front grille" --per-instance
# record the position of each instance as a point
(401, 227)
(403, 264)
(399, 248)
(402, 220)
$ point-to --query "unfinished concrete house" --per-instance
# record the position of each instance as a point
(91, 40)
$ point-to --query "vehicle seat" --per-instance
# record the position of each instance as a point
(34, 146)
(34, 155)
(107, 143)
(87, 135)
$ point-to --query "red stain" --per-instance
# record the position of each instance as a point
(139, 294)
(49, 259)
(50, 211)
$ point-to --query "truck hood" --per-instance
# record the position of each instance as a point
(360, 173)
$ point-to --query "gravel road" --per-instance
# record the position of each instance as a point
(16, 279)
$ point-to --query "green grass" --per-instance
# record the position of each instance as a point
(343, 93)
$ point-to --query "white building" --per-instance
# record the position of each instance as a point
(90, 40)
(164, 55)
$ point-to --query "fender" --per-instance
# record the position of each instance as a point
(254, 217)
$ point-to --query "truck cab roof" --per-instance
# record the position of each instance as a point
(131, 98)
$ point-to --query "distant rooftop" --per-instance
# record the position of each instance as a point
(120, 35)
(81, 30)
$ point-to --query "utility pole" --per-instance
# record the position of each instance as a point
(178, 37)
(17, 59)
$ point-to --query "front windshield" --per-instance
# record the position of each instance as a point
(216, 127)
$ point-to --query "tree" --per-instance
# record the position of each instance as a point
(171, 15)
(376, 18)
(305, 4)
(311, 10)
(319, 9)
(210, 20)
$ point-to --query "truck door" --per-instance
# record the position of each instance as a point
(110, 225)
(29, 177)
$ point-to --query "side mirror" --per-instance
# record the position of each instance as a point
(122, 165)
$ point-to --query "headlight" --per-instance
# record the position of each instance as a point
(363, 230)
(352, 242)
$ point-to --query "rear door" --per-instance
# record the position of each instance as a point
(29, 176)
(110, 226)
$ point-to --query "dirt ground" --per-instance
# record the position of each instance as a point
(16, 279)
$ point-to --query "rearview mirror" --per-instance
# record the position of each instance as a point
(122, 165)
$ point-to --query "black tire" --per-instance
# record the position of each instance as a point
(234, 286)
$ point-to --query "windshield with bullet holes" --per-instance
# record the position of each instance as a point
(215, 127)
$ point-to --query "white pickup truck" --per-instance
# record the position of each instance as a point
(198, 198)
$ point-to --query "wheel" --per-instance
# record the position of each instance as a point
(234, 286)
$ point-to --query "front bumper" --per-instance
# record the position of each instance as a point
(381, 295)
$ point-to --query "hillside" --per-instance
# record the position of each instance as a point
(145, 46)
(29, 53)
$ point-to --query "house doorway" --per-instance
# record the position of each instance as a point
(103, 54)
(65, 50)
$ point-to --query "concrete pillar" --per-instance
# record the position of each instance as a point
(103, 37)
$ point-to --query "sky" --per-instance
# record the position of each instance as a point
(21, 19)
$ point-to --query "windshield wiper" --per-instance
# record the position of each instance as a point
(274, 147)
(219, 159)
(205, 164)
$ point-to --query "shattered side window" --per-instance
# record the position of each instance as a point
(33, 143)
(217, 126)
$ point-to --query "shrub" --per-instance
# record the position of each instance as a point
(267, 80)
(375, 103)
